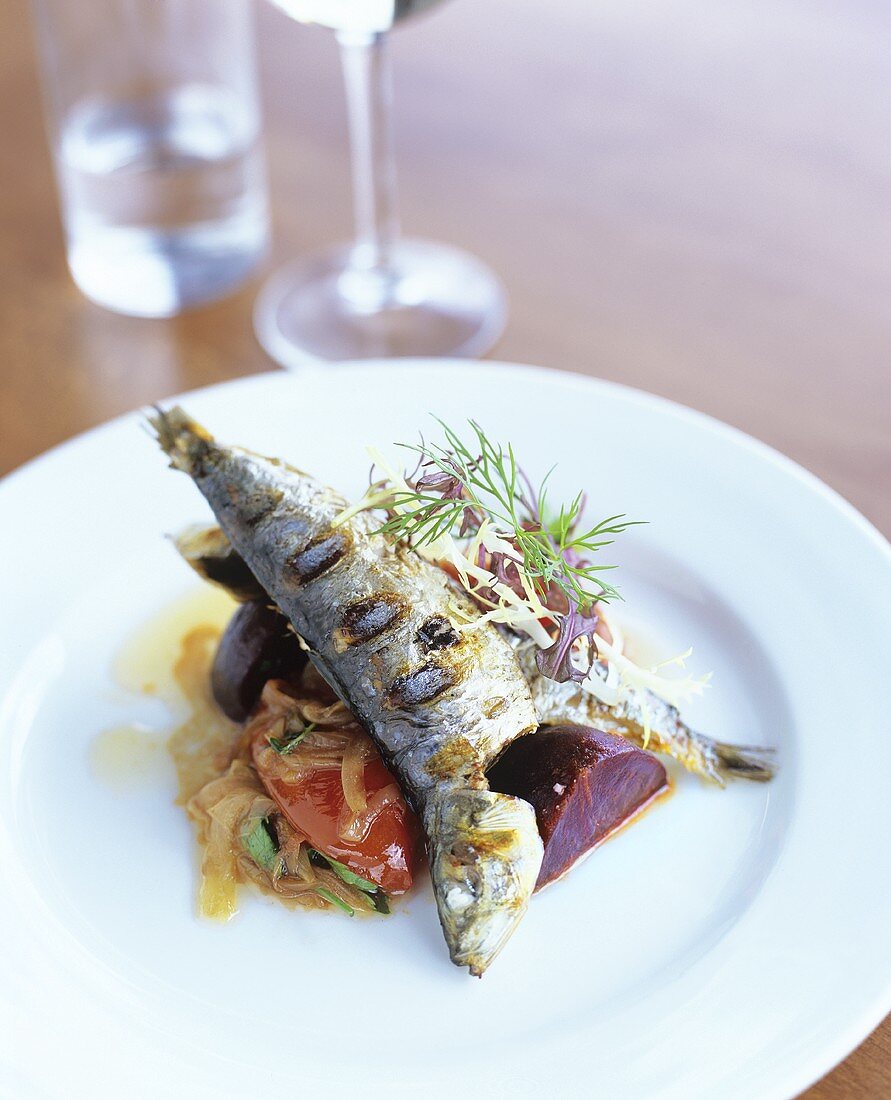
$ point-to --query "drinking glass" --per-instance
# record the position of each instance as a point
(380, 295)
(153, 117)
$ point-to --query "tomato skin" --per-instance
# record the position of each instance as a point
(386, 856)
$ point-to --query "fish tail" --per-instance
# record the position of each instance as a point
(742, 762)
(183, 439)
(485, 855)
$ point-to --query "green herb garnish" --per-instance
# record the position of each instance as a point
(525, 563)
(375, 895)
(284, 745)
(380, 901)
(345, 874)
(461, 485)
(323, 892)
(262, 847)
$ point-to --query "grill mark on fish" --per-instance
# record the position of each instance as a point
(319, 556)
(366, 619)
(422, 685)
(437, 633)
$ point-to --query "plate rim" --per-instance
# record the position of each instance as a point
(847, 1039)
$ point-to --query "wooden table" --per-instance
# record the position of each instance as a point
(692, 198)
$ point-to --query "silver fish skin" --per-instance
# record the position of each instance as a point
(635, 713)
(382, 627)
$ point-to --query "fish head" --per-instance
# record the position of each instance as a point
(485, 855)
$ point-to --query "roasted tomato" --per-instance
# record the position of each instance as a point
(381, 843)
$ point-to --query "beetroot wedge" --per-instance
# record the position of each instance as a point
(583, 785)
(257, 645)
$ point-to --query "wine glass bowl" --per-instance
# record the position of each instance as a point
(380, 296)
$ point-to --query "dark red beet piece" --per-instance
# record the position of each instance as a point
(582, 784)
(257, 645)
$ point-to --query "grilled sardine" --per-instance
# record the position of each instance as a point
(645, 719)
(382, 628)
(556, 703)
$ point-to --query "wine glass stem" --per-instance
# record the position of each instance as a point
(369, 98)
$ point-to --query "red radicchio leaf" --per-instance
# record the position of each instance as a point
(471, 521)
(505, 569)
(449, 486)
(555, 662)
(439, 481)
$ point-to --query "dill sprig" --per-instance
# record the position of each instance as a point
(458, 486)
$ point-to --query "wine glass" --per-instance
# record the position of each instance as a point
(381, 295)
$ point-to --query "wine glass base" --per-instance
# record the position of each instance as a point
(433, 301)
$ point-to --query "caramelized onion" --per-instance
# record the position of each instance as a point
(352, 776)
(354, 827)
(226, 799)
(221, 810)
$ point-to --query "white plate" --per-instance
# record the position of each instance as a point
(730, 944)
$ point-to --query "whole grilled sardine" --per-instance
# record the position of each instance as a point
(210, 554)
(380, 623)
(642, 717)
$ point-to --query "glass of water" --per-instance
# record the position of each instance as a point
(153, 117)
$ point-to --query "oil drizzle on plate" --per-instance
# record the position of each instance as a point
(130, 755)
(146, 663)
(168, 659)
